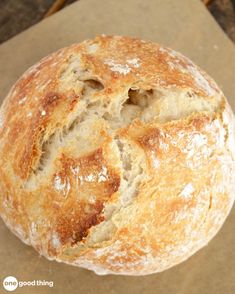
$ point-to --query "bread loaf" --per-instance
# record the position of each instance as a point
(116, 155)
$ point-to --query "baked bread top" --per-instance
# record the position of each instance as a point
(117, 155)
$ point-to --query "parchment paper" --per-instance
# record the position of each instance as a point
(184, 25)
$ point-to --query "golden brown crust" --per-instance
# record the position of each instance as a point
(94, 178)
(38, 88)
(116, 155)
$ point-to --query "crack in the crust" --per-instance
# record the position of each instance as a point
(132, 171)
(59, 135)
(226, 138)
(210, 203)
(131, 174)
(207, 213)
(129, 110)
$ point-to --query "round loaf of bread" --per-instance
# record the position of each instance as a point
(116, 155)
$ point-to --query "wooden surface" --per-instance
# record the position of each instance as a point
(18, 15)
(224, 12)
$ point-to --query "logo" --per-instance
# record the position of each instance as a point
(10, 283)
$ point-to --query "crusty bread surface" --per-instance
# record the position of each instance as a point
(116, 155)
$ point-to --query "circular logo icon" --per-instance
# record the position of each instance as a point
(10, 283)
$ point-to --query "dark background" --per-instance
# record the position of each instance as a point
(18, 15)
